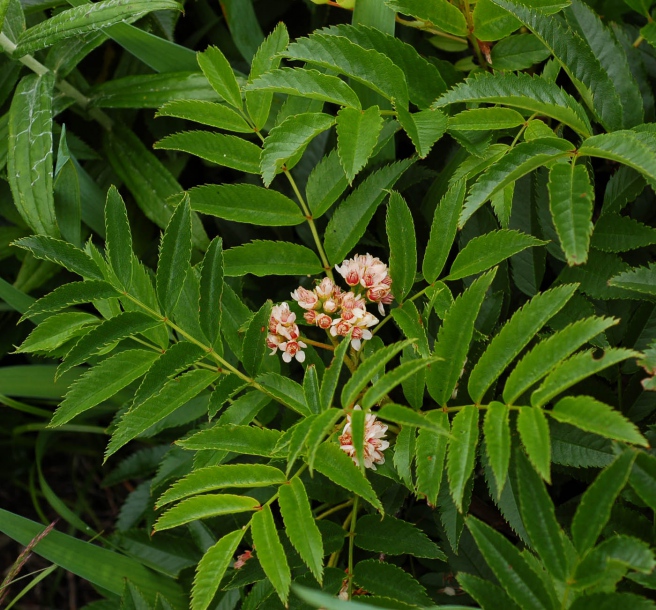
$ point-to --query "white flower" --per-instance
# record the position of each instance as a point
(283, 334)
(307, 299)
(374, 443)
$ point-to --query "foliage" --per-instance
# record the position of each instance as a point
(192, 244)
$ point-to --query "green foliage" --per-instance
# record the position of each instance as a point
(298, 413)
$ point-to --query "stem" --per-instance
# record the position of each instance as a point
(304, 206)
(317, 344)
(427, 27)
(638, 42)
(334, 509)
(313, 227)
(224, 364)
(354, 514)
(64, 86)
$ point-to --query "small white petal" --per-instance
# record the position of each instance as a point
(300, 356)
(286, 357)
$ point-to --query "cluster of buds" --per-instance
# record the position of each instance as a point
(329, 307)
(284, 334)
(374, 443)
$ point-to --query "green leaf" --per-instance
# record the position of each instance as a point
(483, 119)
(69, 294)
(550, 352)
(219, 73)
(394, 537)
(212, 478)
(366, 66)
(492, 22)
(152, 90)
(390, 581)
(425, 83)
(639, 279)
(488, 595)
(311, 389)
(310, 84)
(174, 360)
(373, 365)
(576, 58)
(388, 382)
(575, 369)
(358, 440)
(263, 258)
(331, 375)
(462, 452)
(624, 186)
(286, 142)
(438, 12)
(255, 340)
(80, 20)
(62, 253)
(175, 393)
(211, 569)
(515, 336)
(350, 220)
(633, 149)
(29, 153)
(534, 431)
(404, 454)
(531, 93)
(270, 552)
(609, 601)
(594, 509)
(612, 57)
(517, 162)
(453, 340)
(285, 390)
(106, 569)
(590, 415)
(570, 200)
(56, 330)
(240, 439)
(300, 525)
(174, 257)
(332, 462)
(225, 150)
(206, 113)
(497, 441)
(539, 517)
(514, 573)
(518, 52)
(211, 291)
(403, 245)
(357, 134)
(118, 237)
(149, 181)
(101, 382)
(322, 426)
(325, 184)
(431, 453)
(615, 233)
(424, 128)
(246, 203)
(204, 507)
(411, 324)
(266, 59)
(409, 417)
(488, 250)
(443, 231)
(643, 477)
(110, 331)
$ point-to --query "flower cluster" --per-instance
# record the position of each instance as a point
(284, 334)
(329, 307)
(374, 445)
